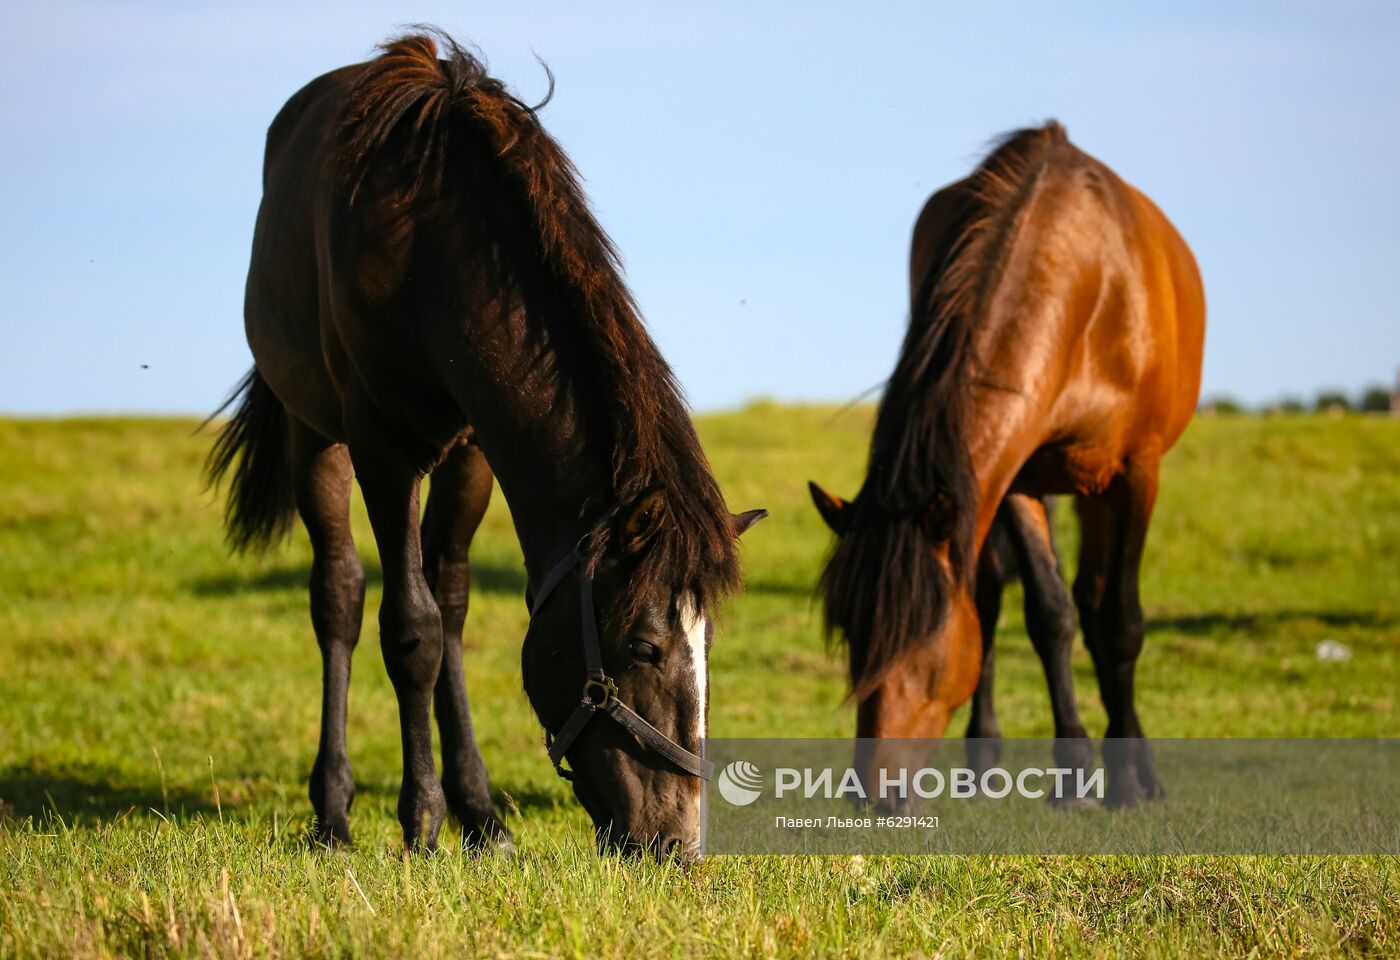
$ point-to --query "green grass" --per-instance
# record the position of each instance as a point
(159, 707)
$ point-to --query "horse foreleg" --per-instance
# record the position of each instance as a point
(457, 500)
(995, 567)
(410, 627)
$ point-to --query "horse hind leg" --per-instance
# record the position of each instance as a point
(1114, 532)
(457, 499)
(322, 476)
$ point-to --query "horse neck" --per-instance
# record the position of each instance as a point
(552, 480)
(532, 428)
(531, 419)
(1010, 416)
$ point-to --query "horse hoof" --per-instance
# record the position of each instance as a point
(1124, 791)
(1074, 803)
(1152, 788)
(334, 836)
(492, 838)
(502, 845)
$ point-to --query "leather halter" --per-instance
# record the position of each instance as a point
(599, 689)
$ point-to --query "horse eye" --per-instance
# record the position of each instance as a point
(649, 652)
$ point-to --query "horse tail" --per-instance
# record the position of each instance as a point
(253, 443)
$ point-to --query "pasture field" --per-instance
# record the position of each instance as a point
(159, 705)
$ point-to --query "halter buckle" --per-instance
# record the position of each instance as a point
(581, 546)
(599, 690)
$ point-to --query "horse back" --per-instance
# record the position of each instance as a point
(1178, 297)
(1084, 307)
(1108, 312)
(1148, 315)
(935, 230)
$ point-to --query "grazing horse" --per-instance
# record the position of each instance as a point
(429, 294)
(1054, 347)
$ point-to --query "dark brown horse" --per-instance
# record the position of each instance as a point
(1054, 347)
(429, 292)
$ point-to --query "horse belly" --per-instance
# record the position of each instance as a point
(1068, 468)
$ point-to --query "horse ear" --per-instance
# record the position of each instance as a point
(641, 521)
(742, 521)
(834, 510)
(939, 517)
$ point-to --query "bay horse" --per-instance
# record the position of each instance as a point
(430, 294)
(1054, 347)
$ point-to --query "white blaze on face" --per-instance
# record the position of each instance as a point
(696, 625)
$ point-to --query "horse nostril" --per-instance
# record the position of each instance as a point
(674, 848)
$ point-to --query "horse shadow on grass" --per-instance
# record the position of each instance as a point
(88, 795)
(526, 798)
(1204, 624)
(487, 577)
(83, 797)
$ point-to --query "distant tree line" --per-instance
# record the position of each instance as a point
(1373, 399)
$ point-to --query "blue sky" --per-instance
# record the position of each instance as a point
(760, 166)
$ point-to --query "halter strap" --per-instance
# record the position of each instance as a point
(599, 689)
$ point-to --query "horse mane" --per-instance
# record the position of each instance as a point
(445, 128)
(885, 590)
